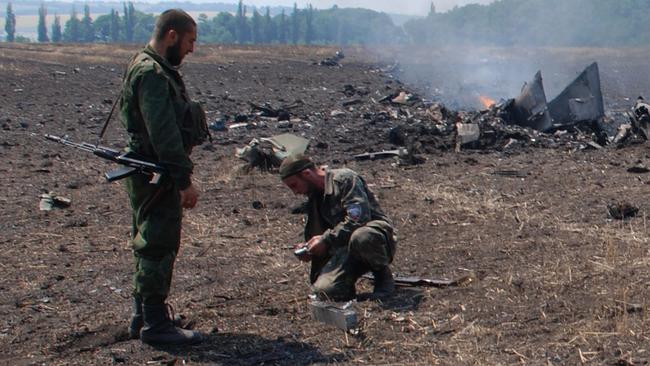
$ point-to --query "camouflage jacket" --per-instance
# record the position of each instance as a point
(345, 205)
(153, 107)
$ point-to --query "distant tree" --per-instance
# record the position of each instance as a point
(205, 28)
(115, 26)
(72, 29)
(309, 33)
(241, 23)
(295, 25)
(282, 28)
(224, 29)
(129, 21)
(87, 30)
(432, 10)
(127, 32)
(22, 39)
(10, 24)
(256, 27)
(143, 25)
(270, 30)
(56, 29)
(42, 24)
(102, 28)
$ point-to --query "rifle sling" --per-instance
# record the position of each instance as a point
(119, 95)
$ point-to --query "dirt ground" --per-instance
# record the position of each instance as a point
(555, 280)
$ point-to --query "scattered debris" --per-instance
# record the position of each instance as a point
(511, 173)
(402, 98)
(268, 157)
(640, 117)
(282, 113)
(466, 134)
(218, 125)
(340, 315)
(630, 307)
(621, 211)
(334, 60)
(413, 281)
(382, 154)
(639, 169)
(50, 201)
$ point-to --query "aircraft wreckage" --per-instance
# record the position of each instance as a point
(580, 101)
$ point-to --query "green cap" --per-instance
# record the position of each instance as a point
(294, 164)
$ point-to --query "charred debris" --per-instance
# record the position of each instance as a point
(574, 120)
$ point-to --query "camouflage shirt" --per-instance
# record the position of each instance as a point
(153, 107)
(345, 205)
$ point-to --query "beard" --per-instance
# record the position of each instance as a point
(173, 54)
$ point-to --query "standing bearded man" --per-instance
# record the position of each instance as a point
(163, 125)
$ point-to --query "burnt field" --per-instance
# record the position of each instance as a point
(555, 280)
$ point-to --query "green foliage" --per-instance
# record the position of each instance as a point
(282, 28)
(295, 24)
(269, 28)
(56, 29)
(72, 29)
(87, 30)
(332, 26)
(143, 26)
(307, 26)
(10, 24)
(130, 20)
(256, 27)
(242, 30)
(309, 21)
(42, 24)
(22, 39)
(115, 26)
(537, 23)
(102, 28)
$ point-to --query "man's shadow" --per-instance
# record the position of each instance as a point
(251, 349)
(216, 348)
(405, 298)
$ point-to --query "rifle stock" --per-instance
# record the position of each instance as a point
(132, 163)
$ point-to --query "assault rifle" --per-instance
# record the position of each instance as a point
(133, 163)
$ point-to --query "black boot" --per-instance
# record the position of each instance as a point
(159, 328)
(384, 282)
(136, 319)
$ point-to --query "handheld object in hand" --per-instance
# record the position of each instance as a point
(300, 251)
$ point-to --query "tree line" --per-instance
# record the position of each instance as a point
(131, 26)
(301, 26)
(501, 23)
(575, 23)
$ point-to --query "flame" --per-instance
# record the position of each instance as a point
(486, 101)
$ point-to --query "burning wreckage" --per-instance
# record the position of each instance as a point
(575, 116)
(575, 119)
(577, 112)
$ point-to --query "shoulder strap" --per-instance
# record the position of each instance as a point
(119, 95)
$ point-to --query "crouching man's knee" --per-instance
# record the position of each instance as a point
(369, 244)
(327, 290)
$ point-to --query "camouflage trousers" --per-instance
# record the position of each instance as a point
(371, 248)
(156, 234)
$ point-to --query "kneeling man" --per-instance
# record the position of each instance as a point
(346, 232)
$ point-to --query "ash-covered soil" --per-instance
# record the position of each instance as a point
(555, 280)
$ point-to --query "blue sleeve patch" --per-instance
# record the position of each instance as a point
(354, 212)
